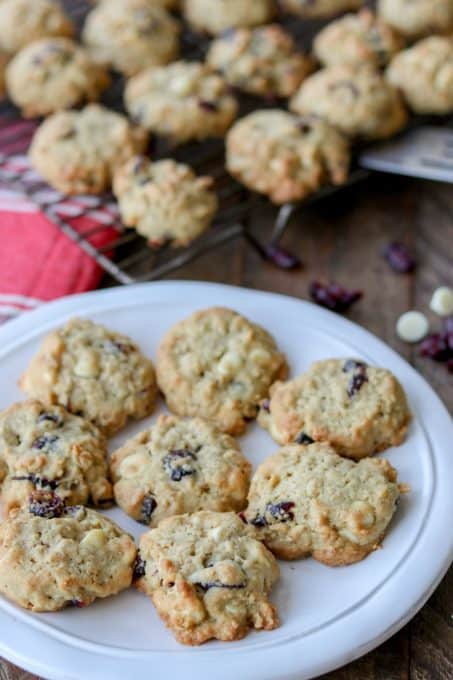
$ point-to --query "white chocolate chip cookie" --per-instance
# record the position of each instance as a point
(418, 18)
(208, 577)
(23, 21)
(215, 17)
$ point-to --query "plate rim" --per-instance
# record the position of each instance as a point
(51, 313)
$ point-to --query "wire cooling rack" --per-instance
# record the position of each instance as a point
(126, 256)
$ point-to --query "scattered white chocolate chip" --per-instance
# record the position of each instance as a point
(412, 326)
(442, 301)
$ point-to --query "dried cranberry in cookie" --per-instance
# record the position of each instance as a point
(218, 365)
(46, 448)
(176, 466)
(93, 372)
(308, 500)
(208, 576)
(358, 409)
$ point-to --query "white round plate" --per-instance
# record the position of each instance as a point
(328, 616)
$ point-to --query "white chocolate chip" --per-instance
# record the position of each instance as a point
(442, 301)
(94, 539)
(412, 326)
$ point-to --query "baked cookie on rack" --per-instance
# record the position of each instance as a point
(262, 61)
(131, 35)
(182, 101)
(45, 447)
(94, 372)
(53, 556)
(208, 577)
(23, 21)
(284, 156)
(218, 365)
(355, 99)
(424, 74)
(357, 39)
(77, 152)
(358, 409)
(418, 19)
(308, 500)
(213, 17)
(52, 74)
(177, 466)
(319, 9)
(164, 201)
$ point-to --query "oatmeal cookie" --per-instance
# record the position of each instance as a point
(355, 99)
(418, 19)
(52, 74)
(319, 9)
(208, 577)
(284, 156)
(357, 39)
(164, 201)
(307, 500)
(131, 35)
(262, 61)
(424, 74)
(77, 152)
(93, 372)
(218, 365)
(45, 447)
(52, 555)
(183, 101)
(213, 17)
(179, 466)
(23, 21)
(358, 409)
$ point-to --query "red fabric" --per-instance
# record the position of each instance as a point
(38, 260)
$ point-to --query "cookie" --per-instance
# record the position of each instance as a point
(308, 500)
(284, 156)
(213, 17)
(319, 9)
(52, 556)
(183, 101)
(24, 21)
(45, 447)
(424, 74)
(179, 466)
(218, 365)
(164, 201)
(418, 19)
(52, 74)
(262, 61)
(93, 372)
(355, 99)
(77, 152)
(208, 577)
(358, 409)
(357, 39)
(131, 35)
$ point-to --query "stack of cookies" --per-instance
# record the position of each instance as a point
(208, 558)
(358, 84)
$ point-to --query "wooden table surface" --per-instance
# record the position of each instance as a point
(341, 240)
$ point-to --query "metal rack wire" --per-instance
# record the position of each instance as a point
(125, 255)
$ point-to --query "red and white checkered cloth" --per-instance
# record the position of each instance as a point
(38, 262)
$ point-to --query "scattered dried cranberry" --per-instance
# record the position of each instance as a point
(139, 566)
(259, 521)
(359, 376)
(353, 365)
(399, 258)
(77, 603)
(242, 517)
(37, 481)
(219, 584)
(266, 405)
(178, 464)
(333, 296)
(436, 347)
(281, 512)
(304, 439)
(46, 504)
(149, 504)
(51, 417)
(281, 257)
